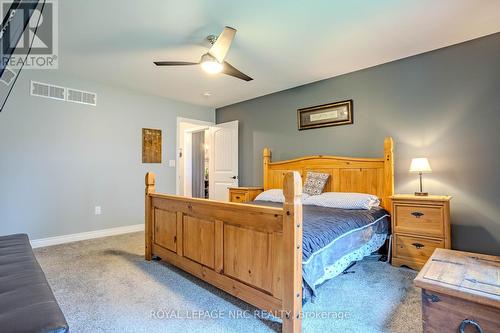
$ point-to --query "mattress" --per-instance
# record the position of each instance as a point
(333, 238)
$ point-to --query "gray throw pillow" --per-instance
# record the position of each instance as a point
(315, 183)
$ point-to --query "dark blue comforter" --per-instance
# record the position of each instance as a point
(321, 225)
(330, 234)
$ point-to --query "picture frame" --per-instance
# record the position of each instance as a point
(151, 145)
(325, 115)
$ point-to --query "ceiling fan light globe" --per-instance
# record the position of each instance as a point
(211, 66)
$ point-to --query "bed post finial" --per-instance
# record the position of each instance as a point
(292, 247)
(388, 173)
(150, 182)
(266, 158)
(148, 220)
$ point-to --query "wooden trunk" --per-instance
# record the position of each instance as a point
(460, 293)
(444, 314)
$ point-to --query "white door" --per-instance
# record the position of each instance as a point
(223, 170)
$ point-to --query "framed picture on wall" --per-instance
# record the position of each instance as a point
(331, 114)
(151, 145)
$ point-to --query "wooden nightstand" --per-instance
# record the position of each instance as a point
(244, 194)
(419, 226)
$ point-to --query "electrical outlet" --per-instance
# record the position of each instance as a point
(97, 210)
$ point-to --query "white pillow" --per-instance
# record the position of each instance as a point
(343, 200)
(275, 195)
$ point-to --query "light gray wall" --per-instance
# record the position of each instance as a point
(58, 159)
(444, 105)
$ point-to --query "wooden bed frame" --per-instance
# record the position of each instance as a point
(254, 252)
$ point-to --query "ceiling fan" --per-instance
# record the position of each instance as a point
(213, 61)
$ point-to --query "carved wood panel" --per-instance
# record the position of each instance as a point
(248, 256)
(276, 177)
(369, 181)
(198, 240)
(165, 229)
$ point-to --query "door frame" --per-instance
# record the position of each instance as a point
(177, 143)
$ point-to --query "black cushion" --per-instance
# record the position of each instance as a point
(27, 303)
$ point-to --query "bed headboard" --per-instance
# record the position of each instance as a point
(347, 174)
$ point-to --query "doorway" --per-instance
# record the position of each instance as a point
(186, 130)
(207, 159)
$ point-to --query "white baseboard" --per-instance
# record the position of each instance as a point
(86, 235)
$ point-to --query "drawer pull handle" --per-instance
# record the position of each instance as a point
(417, 214)
(238, 197)
(471, 322)
(418, 245)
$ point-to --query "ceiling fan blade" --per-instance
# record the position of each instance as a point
(222, 44)
(230, 70)
(174, 63)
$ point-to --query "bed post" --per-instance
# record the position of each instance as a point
(266, 154)
(292, 249)
(388, 173)
(150, 188)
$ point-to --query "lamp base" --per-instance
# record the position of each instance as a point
(421, 194)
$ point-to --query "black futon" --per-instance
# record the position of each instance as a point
(27, 303)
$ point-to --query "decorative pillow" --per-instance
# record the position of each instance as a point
(343, 200)
(315, 183)
(275, 195)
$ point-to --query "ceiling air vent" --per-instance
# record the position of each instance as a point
(63, 94)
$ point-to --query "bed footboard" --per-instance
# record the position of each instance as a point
(251, 252)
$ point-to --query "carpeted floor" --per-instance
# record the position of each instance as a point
(105, 285)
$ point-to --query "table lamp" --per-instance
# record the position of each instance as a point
(420, 165)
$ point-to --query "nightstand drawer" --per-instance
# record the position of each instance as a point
(419, 219)
(415, 249)
(243, 194)
(239, 196)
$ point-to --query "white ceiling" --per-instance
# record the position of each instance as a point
(281, 44)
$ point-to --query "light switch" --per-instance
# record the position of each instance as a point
(97, 210)
(171, 163)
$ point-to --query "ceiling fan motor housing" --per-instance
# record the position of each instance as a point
(207, 57)
(212, 39)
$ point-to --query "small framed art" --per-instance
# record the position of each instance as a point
(331, 114)
(151, 145)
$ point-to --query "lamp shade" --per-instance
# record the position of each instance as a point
(420, 165)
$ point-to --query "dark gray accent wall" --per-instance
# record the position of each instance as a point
(444, 105)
